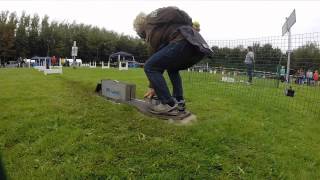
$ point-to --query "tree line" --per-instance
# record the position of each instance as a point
(29, 35)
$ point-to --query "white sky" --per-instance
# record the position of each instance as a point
(219, 20)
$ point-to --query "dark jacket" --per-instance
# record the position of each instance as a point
(168, 24)
(194, 37)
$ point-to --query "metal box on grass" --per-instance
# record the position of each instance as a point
(118, 91)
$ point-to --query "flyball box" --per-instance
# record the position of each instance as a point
(126, 93)
(118, 91)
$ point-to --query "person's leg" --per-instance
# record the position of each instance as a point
(252, 72)
(177, 89)
(249, 72)
(189, 57)
(154, 73)
(175, 78)
(173, 57)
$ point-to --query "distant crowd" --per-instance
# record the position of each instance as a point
(308, 77)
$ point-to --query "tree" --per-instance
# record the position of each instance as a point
(45, 37)
(33, 39)
(307, 56)
(7, 35)
(21, 41)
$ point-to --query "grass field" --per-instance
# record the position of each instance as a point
(56, 127)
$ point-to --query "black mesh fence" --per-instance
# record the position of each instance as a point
(226, 73)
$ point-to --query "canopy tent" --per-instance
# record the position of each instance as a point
(40, 58)
(121, 56)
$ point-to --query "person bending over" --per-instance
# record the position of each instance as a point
(175, 45)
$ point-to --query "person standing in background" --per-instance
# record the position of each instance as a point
(316, 77)
(249, 61)
(309, 76)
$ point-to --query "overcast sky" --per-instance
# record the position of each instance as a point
(219, 20)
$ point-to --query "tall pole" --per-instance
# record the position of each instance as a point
(74, 53)
(97, 54)
(289, 54)
(74, 64)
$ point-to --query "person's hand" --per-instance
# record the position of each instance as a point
(150, 93)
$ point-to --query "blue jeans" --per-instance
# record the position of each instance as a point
(249, 72)
(173, 57)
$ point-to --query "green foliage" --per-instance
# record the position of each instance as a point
(307, 56)
(33, 38)
(8, 23)
(21, 41)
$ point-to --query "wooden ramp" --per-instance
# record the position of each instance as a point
(182, 118)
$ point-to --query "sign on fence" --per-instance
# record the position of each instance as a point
(289, 22)
(286, 28)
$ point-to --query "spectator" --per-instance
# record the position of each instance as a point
(301, 76)
(282, 74)
(316, 77)
(309, 76)
(53, 60)
(249, 61)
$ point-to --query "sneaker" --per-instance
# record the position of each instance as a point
(181, 105)
(154, 100)
(164, 109)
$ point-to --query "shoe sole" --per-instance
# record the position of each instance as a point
(163, 113)
(143, 107)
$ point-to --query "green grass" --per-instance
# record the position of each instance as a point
(56, 127)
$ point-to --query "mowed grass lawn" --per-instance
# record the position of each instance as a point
(56, 127)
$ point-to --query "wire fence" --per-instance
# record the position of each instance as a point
(226, 73)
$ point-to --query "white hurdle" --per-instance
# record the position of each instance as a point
(84, 65)
(105, 67)
(53, 69)
(57, 70)
(42, 66)
(126, 67)
(93, 64)
(228, 79)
